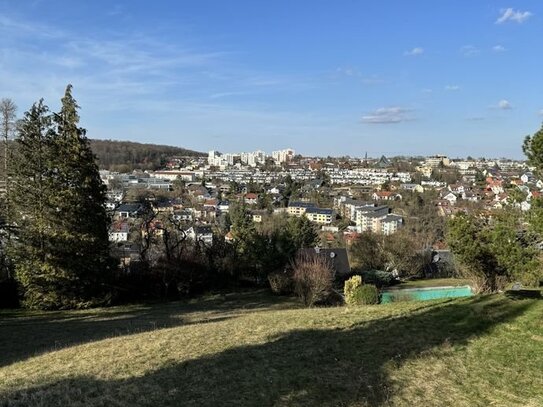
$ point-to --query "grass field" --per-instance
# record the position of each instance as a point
(252, 349)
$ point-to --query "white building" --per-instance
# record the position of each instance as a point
(283, 156)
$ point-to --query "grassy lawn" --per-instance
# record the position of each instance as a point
(252, 349)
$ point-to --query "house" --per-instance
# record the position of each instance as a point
(337, 257)
(210, 204)
(458, 189)
(258, 215)
(350, 237)
(450, 197)
(527, 177)
(525, 206)
(183, 216)
(385, 196)
(250, 198)
(154, 228)
(199, 192)
(129, 210)
(223, 206)
(494, 185)
(164, 206)
(200, 233)
(118, 232)
(412, 187)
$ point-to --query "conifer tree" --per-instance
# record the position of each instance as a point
(81, 201)
(62, 252)
(32, 212)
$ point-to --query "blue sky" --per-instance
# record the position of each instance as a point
(329, 78)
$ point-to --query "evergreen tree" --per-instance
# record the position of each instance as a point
(62, 252)
(302, 233)
(32, 210)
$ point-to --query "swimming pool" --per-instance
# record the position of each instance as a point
(423, 294)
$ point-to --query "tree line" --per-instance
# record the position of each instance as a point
(126, 156)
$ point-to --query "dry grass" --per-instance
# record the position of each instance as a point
(252, 349)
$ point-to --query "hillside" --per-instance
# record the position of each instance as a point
(127, 155)
(252, 349)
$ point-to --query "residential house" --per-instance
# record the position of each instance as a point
(223, 206)
(412, 187)
(257, 216)
(183, 216)
(118, 232)
(385, 196)
(450, 197)
(200, 233)
(129, 210)
(250, 198)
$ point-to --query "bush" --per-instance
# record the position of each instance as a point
(281, 282)
(357, 293)
(351, 290)
(313, 279)
(379, 278)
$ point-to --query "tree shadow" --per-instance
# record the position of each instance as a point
(333, 367)
(24, 334)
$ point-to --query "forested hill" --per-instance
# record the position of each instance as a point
(124, 156)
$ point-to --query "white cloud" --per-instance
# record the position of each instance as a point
(541, 112)
(387, 115)
(414, 52)
(499, 48)
(355, 73)
(469, 50)
(348, 71)
(510, 14)
(452, 87)
(504, 105)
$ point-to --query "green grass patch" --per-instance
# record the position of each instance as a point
(254, 349)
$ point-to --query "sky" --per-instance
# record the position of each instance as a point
(455, 77)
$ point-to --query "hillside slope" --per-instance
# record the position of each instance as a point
(128, 155)
(255, 350)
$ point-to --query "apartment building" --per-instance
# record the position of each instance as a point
(322, 216)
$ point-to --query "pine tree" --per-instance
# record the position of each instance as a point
(61, 253)
(31, 209)
(81, 201)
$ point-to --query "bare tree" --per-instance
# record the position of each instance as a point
(8, 111)
(313, 278)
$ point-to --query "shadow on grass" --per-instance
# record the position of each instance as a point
(24, 334)
(311, 367)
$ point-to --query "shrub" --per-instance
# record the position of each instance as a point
(351, 290)
(369, 294)
(379, 278)
(313, 279)
(281, 282)
(357, 293)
